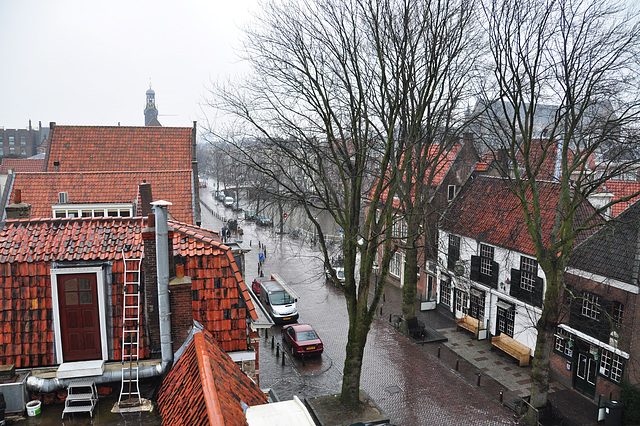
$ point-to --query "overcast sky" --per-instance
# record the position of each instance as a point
(89, 62)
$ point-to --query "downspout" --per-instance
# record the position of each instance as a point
(162, 261)
(37, 384)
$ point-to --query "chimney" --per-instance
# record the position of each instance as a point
(56, 166)
(145, 199)
(18, 210)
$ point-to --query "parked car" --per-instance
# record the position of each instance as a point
(220, 195)
(339, 272)
(255, 285)
(236, 206)
(202, 184)
(302, 339)
(228, 201)
(249, 214)
(263, 220)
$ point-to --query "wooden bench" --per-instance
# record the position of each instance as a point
(469, 323)
(514, 348)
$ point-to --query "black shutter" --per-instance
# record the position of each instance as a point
(537, 292)
(495, 268)
(514, 289)
(475, 268)
(451, 258)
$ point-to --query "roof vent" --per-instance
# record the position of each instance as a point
(63, 197)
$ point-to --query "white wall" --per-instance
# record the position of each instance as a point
(526, 315)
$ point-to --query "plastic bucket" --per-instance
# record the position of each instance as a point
(33, 408)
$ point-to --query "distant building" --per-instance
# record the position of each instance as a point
(22, 143)
(150, 110)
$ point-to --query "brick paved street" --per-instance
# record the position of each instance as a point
(411, 386)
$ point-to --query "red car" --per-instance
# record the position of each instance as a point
(302, 339)
(255, 285)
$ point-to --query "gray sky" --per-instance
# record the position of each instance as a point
(89, 62)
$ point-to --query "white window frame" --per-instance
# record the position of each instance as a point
(97, 210)
(101, 288)
(395, 267)
(485, 259)
(591, 305)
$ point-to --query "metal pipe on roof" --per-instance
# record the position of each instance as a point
(162, 262)
(38, 384)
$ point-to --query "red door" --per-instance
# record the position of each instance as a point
(79, 317)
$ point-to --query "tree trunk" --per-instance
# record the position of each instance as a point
(410, 286)
(358, 330)
(546, 329)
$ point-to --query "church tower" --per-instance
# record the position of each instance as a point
(150, 111)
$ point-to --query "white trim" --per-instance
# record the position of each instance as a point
(604, 280)
(239, 356)
(594, 341)
(57, 332)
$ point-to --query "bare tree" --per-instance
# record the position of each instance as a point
(563, 102)
(433, 53)
(317, 107)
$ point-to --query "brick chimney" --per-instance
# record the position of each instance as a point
(144, 189)
(150, 288)
(18, 210)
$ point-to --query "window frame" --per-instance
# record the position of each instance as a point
(453, 251)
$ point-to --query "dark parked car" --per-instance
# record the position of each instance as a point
(302, 339)
(263, 220)
(249, 214)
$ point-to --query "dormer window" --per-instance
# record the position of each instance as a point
(451, 192)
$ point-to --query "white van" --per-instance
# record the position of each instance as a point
(279, 300)
(228, 201)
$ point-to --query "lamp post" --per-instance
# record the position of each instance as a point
(376, 270)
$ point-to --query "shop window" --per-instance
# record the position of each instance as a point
(563, 343)
(445, 290)
(506, 318)
(611, 366)
(396, 264)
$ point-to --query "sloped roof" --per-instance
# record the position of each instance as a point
(119, 148)
(21, 165)
(41, 189)
(486, 210)
(27, 248)
(104, 238)
(621, 189)
(206, 387)
(611, 252)
(442, 167)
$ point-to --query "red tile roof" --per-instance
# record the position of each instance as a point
(488, 211)
(41, 189)
(119, 148)
(441, 168)
(21, 165)
(621, 189)
(27, 248)
(206, 387)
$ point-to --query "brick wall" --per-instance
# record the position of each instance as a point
(181, 312)
(150, 289)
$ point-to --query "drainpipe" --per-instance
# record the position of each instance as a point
(162, 262)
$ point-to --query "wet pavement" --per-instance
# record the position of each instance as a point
(409, 384)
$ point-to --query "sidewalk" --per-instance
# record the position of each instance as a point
(494, 372)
